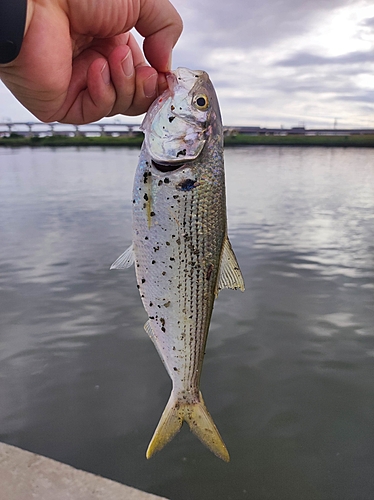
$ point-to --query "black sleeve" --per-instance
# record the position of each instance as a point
(12, 26)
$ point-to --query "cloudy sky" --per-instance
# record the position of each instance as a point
(276, 62)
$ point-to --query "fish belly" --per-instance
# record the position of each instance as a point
(179, 225)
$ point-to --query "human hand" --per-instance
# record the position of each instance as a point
(79, 63)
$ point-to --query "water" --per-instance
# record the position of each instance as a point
(289, 370)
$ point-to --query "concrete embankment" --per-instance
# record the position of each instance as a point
(27, 476)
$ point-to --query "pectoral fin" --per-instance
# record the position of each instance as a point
(229, 275)
(125, 260)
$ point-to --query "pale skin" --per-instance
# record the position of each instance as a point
(79, 63)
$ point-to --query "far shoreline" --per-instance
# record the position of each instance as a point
(135, 141)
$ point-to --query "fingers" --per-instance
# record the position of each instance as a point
(161, 26)
(113, 86)
(156, 20)
(136, 87)
(91, 94)
(135, 83)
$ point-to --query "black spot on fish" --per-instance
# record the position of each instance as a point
(186, 185)
(183, 152)
(146, 237)
(150, 304)
(145, 197)
(166, 180)
(145, 177)
(160, 183)
(171, 118)
(163, 329)
(153, 262)
(143, 280)
(175, 368)
(152, 214)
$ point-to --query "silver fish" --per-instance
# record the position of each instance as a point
(181, 250)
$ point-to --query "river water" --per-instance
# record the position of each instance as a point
(289, 370)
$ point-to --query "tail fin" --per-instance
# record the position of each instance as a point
(199, 420)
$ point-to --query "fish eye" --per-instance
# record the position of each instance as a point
(201, 101)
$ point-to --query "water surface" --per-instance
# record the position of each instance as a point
(288, 375)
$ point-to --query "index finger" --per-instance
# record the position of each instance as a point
(161, 25)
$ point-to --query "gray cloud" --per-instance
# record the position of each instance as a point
(309, 59)
(368, 22)
(272, 61)
(366, 97)
(254, 23)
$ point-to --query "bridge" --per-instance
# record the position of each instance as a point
(40, 129)
(117, 129)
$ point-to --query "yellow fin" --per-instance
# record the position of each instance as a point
(199, 420)
(230, 275)
(169, 425)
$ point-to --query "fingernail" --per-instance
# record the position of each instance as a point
(169, 63)
(128, 64)
(105, 74)
(150, 85)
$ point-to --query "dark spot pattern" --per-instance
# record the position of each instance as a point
(186, 185)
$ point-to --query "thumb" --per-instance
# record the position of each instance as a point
(161, 29)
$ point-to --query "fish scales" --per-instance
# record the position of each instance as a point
(180, 246)
(177, 258)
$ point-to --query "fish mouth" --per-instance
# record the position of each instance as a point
(167, 167)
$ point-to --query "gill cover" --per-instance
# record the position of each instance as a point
(176, 123)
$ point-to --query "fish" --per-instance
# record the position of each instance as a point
(181, 250)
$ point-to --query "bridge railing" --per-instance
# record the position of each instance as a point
(40, 129)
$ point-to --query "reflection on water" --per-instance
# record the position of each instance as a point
(288, 375)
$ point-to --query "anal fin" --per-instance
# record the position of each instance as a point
(230, 275)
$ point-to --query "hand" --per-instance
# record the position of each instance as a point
(79, 63)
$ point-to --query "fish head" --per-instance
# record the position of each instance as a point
(182, 119)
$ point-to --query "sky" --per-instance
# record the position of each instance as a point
(275, 63)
